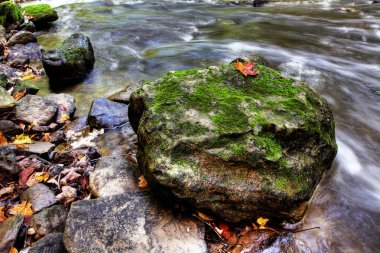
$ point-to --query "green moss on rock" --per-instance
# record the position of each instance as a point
(40, 14)
(248, 145)
(10, 14)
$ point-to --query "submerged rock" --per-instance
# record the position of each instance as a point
(72, 61)
(130, 223)
(237, 147)
(10, 14)
(40, 14)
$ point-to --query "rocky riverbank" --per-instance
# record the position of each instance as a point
(227, 150)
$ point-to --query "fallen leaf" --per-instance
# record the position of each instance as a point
(24, 209)
(63, 118)
(262, 222)
(25, 174)
(42, 176)
(47, 137)
(19, 95)
(142, 182)
(67, 194)
(204, 216)
(3, 140)
(13, 250)
(246, 69)
(23, 139)
(70, 175)
(6, 190)
(232, 241)
(226, 233)
(32, 180)
(22, 146)
(31, 231)
(2, 217)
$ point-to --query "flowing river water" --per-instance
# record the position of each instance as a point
(337, 53)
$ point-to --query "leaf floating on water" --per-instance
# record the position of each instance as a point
(3, 140)
(19, 95)
(42, 176)
(262, 222)
(246, 69)
(23, 139)
(24, 209)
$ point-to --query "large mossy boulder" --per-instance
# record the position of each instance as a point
(40, 14)
(10, 14)
(233, 146)
(72, 61)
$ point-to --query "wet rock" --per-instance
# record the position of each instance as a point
(10, 14)
(40, 196)
(120, 141)
(105, 113)
(65, 102)
(21, 86)
(3, 33)
(7, 103)
(58, 136)
(36, 109)
(8, 232)
(52, 243)
(112, 176)
(237, 147)
(20, 55)
(22, 37)
(126, 223)
(123, 95)
(255, 241)
(8, 128)
(72, 61)
(8, 165)
(40, 14)
(49, 220)
(29, 26)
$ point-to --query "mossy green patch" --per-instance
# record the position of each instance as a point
(40, 13)
(10, 14)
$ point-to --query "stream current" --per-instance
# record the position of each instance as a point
(337, 53)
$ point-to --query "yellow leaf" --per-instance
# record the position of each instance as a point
(13, 250)
(47, 137)
(24, 209)
(262, 222)
(204, 216)
(2, 217)
(42, 176)
(23, 139)
(3, 140)
(63, 118)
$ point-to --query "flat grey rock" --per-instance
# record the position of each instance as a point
(38, 148)
(51, 243)
(37, 109)
(22, 37)
(130, 223)
(105, 113)
(50, 220)
(65, 102)
(40, 196)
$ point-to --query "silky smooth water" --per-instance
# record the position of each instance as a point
(337, 53)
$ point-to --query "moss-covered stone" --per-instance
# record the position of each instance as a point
(40, 14)
(237, 146)
(73, 60)
(10, 14)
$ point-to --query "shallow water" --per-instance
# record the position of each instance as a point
(336, 53)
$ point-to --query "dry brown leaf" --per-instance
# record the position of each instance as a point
(205, 217)
(71, 175)
(3, 140)
(19, 95)
(22, 146)
(32, 180)
(7, 190)
(23, 139)
(67, 195)
(2, 217)
(42, 176)
(25, 174)
(47, 137)
(142, 182)
(24, 209)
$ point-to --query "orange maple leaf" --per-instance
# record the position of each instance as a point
(246, 69)
(24, 209)
(2, 217)
(3, 140)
